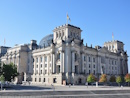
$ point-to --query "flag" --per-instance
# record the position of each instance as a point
(68, 17)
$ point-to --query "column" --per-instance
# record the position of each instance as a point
(43, 62)
(73, 60)
(63, 63)
(34, 69)
(51, 63)
(48, 64)
(61, 59)
(54, 69)
(39, 65)
(82, 63)
(18, 66)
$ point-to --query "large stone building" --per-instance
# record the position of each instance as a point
(62, 58)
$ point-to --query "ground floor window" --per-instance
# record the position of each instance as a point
(54, 80)
(39, 79)
(44, 80)
(76, 69)
(89, 72)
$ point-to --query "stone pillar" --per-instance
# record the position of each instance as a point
(54, 66)
(51, 63)
(61, 59)
(34, 69)
(48, 64)
(82, 63)
(18, 64)
(39, 65)
(43, 64)
(63, 64)
(73, 61)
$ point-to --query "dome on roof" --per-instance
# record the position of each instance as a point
(46, 41)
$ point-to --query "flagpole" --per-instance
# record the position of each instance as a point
(112, 36)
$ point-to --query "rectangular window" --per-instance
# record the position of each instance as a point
(84, 65)
(41, 59)
(45, 65)
(35, 79)
(89, 72)
(89, 59)
(75, 57)
(84, 58)
(93, 66)
(41, 71)
(37, 66)
(93, 59)
(58, 56)
(39, 79)
(112, 62)
(54, 80)
(44, 80)
(84, 71)
(37, 60)
(89, 66)
(45, 71)
(41, 65)
(94, 72)
(59, 69)
(45, 58)
(33, 59)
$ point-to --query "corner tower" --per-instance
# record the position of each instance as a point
(115, 46)
(66, 33)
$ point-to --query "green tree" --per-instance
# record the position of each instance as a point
(2, 79)
(112, 79)
(127, 78)
(91, 78)
(103, 78)
(118, 80)
(9, 71)
(0, 69)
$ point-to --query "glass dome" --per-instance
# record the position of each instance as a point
(46, 41)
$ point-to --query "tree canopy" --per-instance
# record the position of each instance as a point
(2, 78)
(9, 71)
(103, 78)
(91, 78)
(127, 78)
(112, 79)
(118, 79)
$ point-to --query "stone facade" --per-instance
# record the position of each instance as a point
(62, 58)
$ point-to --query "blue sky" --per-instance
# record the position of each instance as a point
(23, 20)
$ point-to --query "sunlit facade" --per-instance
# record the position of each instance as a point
(61, 58)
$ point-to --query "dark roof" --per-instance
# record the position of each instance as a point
(73, 26)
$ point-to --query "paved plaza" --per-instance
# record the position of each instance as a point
(39, 91)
